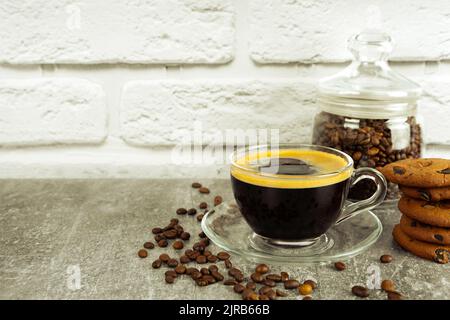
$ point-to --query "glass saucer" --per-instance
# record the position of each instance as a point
(226, 227)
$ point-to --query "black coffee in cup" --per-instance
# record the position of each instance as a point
(290, 194)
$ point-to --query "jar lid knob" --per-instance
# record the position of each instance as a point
(371, 45)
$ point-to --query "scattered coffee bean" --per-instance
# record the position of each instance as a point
(360, 291)
(149, 245)
(170, 234)
(191, 270)
(171, 273)
(192, 211)
(251, 285)
(205, 271)
(180, 269)
(281, 293)
(238, 288)
(185, 236)
(201, 282)
(223, 255)
(164, 257)
(393, 295)
(203, 190)
(172, 263)
(142, 253)
(178, 245)
(263, 297)
(388, 285)
(228, 264)
(262, 268)
(340, 266)
(196, 185)
(181, 211)
(291, 284)
(264, 290)
(159, 237)
(156, 264)
(274, 277)
(174, 221)
(169, 279)
(217, 275)
(203, 205)
(213, 267)
(163, 243)
(200, 217)
(230, 282)
(202, 235)
(217, 200)
(269, 283)
(205, 242)
(195, 275)
(157, 230)
(257, 277)
(209, 278)
(212, 258)
(184, 259)
(201, 259)
(305, 289)
(312, 283)
(284, 276)
(307, 298)
(386, 258)
(248, 294)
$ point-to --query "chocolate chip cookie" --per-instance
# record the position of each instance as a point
(425, 173)
(424, 232)
(434, 252)
(433, 213)
(428, 194)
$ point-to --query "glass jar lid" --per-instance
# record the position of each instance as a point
(368, 87)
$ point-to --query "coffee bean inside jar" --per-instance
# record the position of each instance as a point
(371, 143)
(369, 111)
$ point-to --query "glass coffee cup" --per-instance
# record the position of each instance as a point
(290, 195)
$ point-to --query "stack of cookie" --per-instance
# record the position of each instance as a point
(424, 228)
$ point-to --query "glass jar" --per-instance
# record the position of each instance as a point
(369, 111)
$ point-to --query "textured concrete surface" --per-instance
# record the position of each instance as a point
(51, 229)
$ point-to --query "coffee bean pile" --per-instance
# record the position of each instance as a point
(262, 284)
(369, 142)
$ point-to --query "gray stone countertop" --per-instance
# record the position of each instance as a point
(54, 232)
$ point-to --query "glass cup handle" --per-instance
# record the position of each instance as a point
(352, 209)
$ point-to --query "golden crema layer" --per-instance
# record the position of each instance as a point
(329, 166)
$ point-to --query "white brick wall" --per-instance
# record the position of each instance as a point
(106, 88)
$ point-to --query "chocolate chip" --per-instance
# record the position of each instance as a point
(439, 237)
(445, 171)
(399, 170)
(441, 256)
(424, 194)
